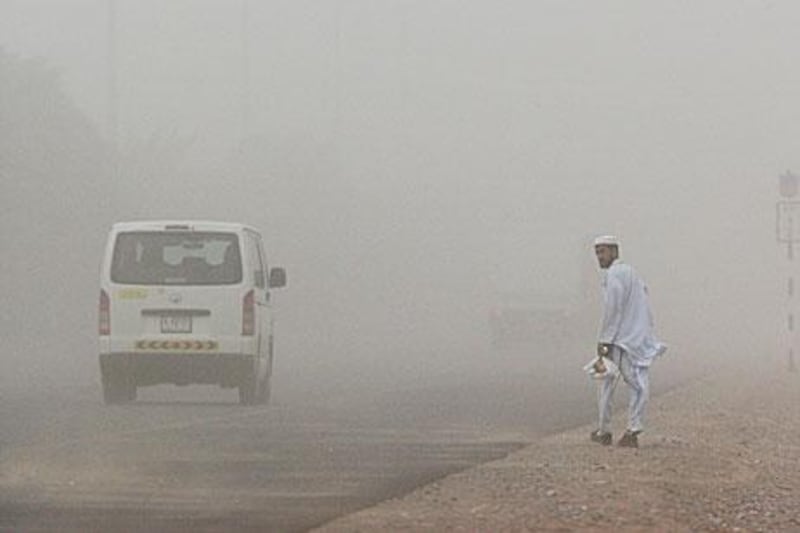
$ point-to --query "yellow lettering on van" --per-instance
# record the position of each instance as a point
(132, 294)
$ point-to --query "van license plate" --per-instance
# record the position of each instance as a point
(176, 324)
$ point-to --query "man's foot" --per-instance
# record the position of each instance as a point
(603, 438)
(629, 440)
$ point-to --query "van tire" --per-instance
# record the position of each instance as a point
(264, 391)
(248, 386)
(111, 394)
(118, 384)
(117, 389)
(130, 391)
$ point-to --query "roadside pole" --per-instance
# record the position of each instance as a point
(786, 220)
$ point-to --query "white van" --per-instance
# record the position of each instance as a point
(186, 302)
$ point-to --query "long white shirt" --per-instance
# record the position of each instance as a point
(627, 318)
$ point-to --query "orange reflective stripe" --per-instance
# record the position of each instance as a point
(176, 345)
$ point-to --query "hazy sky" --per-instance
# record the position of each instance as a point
(410, 159)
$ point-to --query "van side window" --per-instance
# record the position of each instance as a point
(254, 263)
(264, 263)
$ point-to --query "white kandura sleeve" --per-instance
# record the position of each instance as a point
(612, 309)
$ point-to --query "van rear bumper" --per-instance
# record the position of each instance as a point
(225, 369)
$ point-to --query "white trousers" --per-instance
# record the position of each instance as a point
(638, 381)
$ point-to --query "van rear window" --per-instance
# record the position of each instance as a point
(176, 258)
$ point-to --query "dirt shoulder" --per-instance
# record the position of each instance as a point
(722, 453)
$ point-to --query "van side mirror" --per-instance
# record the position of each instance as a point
(277, 278)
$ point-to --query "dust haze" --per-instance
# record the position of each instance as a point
(411, 163)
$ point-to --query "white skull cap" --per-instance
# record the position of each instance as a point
(606, 240)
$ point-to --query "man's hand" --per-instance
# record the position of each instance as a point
(604, 349)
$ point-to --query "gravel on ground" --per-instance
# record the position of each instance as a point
(719, 454)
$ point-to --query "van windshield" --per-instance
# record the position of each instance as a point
(176, 258)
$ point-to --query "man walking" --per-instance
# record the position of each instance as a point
(626, 338)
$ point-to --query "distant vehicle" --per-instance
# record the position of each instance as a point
(186, 302)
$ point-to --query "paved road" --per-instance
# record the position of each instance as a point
(191, 459)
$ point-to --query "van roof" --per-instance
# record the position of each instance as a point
(193, 225)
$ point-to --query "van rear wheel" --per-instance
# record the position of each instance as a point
(117, 387)
(264, 391)
(111, 393)
(248, 386)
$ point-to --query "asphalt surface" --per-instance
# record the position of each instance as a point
(192, 459)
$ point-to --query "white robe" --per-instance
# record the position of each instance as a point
(627, 318)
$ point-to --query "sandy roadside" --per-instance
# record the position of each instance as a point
(720, 454)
